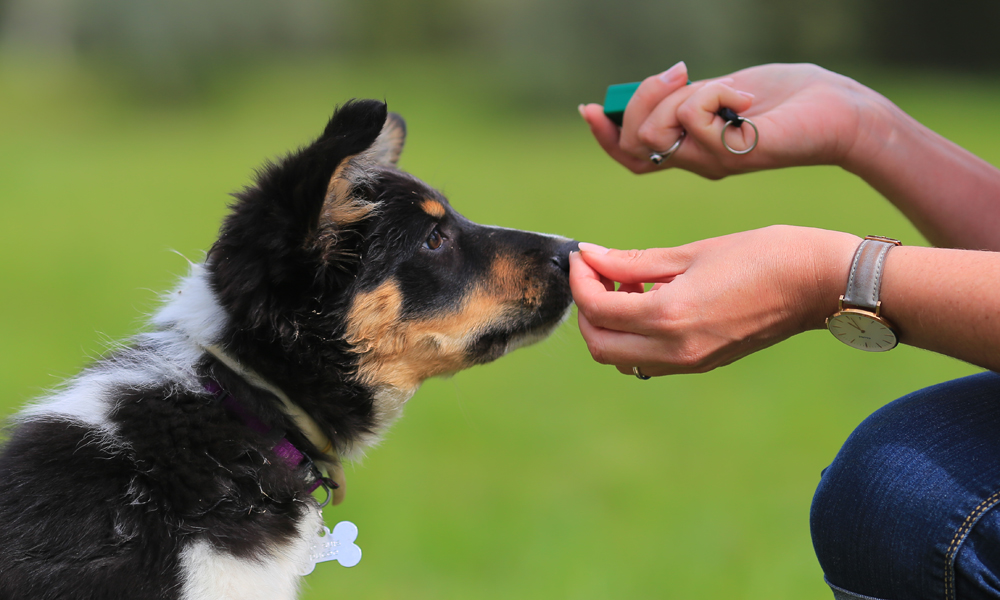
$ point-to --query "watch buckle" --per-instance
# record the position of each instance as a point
(882, 238)
(840, 306)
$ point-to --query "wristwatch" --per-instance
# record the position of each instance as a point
(857, 321)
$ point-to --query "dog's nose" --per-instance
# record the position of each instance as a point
(561, 256)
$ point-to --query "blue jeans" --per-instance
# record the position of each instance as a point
(907, 510)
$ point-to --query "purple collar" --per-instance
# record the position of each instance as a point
(294, 458)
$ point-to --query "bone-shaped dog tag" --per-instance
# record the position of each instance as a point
(335, 545)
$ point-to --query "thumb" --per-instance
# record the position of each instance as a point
(653, 265)
(607, 135)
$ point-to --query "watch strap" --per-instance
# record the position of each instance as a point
(865, 280)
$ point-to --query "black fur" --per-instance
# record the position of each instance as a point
(68, 531)
(285, 306)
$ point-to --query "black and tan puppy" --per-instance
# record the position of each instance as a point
(181, 466)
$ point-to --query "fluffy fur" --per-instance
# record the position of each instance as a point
(338, 284)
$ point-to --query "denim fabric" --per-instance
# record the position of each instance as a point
(906, 510)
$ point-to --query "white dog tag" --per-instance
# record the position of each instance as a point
(335, 545)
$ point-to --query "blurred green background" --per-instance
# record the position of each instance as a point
(125, 124)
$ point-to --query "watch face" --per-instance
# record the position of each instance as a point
(862, 330)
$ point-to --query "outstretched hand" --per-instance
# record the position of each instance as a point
(805, 114)
(712, 302)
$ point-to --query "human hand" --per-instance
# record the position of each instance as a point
(712, 302)
(806, 115)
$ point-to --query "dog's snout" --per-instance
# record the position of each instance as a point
(561, 256)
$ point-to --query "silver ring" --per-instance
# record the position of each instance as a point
(638, 373)
(658, 157)
(756, 136)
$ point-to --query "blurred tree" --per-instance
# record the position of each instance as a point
(958, 35)
(168, 47)
(537, 51)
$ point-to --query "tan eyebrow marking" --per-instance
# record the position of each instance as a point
(433, 208)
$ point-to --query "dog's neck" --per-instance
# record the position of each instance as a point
(328, 460)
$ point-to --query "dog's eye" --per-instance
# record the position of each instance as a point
(434, 240)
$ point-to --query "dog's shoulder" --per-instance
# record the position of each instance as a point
(66, 520)
(132, 477)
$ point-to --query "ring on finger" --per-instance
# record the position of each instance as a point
(638, 373)
(659, 157)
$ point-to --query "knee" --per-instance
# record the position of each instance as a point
(870, 511)
(885, 508)
(857, 507)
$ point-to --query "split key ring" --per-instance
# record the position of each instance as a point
(732, 118)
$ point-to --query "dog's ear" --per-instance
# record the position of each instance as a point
(389, 144)
(345, 202)
(269, 245)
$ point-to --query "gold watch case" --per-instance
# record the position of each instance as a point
(862, 329)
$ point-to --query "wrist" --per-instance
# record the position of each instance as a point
(879, 125)
(832, 253)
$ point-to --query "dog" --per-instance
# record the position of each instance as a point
(181, 466)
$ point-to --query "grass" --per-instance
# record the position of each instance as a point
(543, 475)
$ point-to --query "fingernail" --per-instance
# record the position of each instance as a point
(675, 73)
(588, 247)
(582, 114)
(746, 94)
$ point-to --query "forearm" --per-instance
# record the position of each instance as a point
(945, 300)
(938, 299)
(950, 194)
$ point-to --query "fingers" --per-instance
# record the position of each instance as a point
(604, 306)
(653, 265)
(661, 127)
(627, 310)
(610, 347)
(652, 91)
(698, 116)
(626, 350)
(698, 111)
(658, 114)
(691, 110)
(626, 328)
(607, 135)
(582, 276)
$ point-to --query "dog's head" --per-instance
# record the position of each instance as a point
(348, 282)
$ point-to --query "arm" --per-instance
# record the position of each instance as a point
(945, 300)
(717, 300)
(950, 194)
(810, 116)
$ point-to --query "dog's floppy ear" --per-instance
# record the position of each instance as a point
(267, 248)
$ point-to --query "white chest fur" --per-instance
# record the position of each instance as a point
(211, 574)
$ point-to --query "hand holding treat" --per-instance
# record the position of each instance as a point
(712, 301)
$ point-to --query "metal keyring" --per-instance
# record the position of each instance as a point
(638, 373)
(756, 135)
(659, 157)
